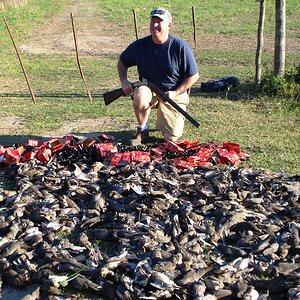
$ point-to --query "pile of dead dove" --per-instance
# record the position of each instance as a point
(149, 231)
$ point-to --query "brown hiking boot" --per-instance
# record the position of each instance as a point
(139, 137)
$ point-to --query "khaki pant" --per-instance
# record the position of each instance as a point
(169, 120)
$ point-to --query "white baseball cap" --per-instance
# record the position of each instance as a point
(161, 13)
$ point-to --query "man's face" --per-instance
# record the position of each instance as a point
(159, 28)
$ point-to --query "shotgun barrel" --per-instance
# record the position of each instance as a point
(162, 96)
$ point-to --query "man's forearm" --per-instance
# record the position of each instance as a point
(187, 84)
(126, 85)
(122, 71)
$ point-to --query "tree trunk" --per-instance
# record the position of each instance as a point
(260, 42)
(279, 61)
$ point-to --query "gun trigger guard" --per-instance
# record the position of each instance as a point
(140, 83)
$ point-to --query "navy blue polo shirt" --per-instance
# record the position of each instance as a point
(166, 65)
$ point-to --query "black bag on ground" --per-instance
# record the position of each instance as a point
(220, 84)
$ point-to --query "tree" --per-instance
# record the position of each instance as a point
(260, 41)
(280, 28)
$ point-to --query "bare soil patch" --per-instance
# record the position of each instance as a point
(94, 36)
(10, 124)
(84, 128)
(80, 128)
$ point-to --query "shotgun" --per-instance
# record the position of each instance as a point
(111, 96)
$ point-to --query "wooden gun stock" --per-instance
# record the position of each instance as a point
(111, 96)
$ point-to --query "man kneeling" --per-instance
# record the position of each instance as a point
(166, 61)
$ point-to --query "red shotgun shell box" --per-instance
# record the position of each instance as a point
(68, 139)
(116, 159)
(13, 155)
(211, 146)
(126, 158)
(188, 145)
(194, 147)
(14, 152)
(20, 150)
(182, 144)
(30, 155)
(180, 163)
(193, 158)
(173, 147)
(232, 146)
(56, 144)
(34, 143)
(205, 154)
(141, 157)
(88, 142)
(158, 150)
(231, 157)
(12, 160)
(221, 151)
(2, 150)
(43, 154)
(10, 157)
(105, 148)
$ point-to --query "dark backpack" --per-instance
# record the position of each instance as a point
(220, 84)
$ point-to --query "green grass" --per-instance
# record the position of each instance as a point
(264, 127)
(212, 16)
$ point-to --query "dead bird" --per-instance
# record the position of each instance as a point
(183, 227)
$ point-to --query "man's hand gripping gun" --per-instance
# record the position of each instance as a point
(111, 96)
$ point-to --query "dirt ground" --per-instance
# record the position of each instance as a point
(96, 37)
(89, 128)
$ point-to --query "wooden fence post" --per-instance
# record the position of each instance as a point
(260, 40)
(135, 25)
(20, 60)
(194, 26)
(78, 61)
